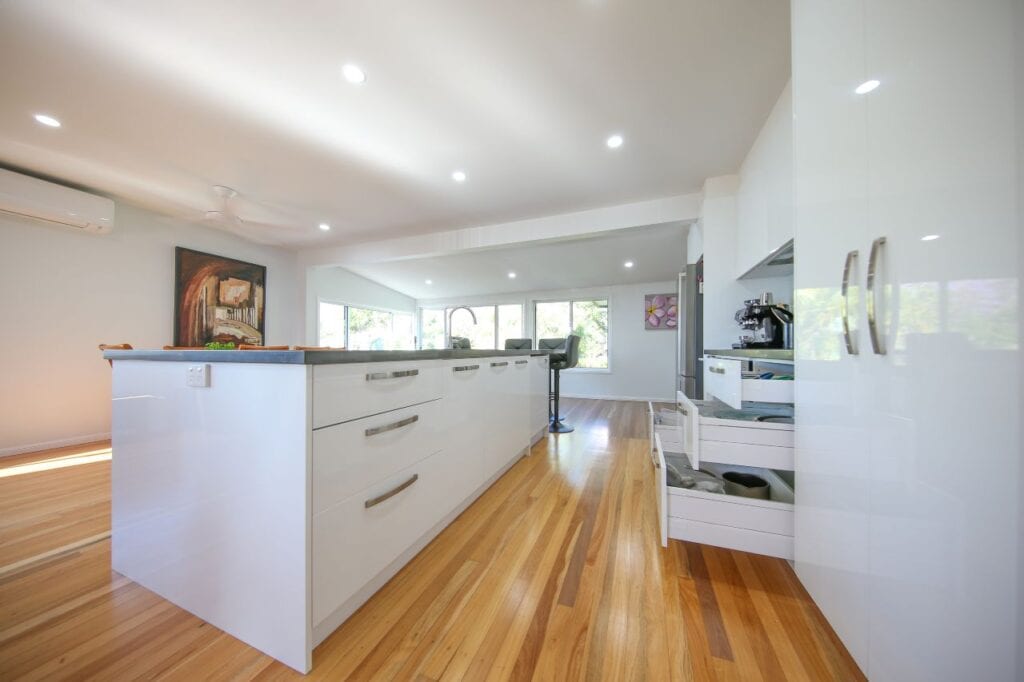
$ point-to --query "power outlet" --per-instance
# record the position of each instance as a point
(198, 376)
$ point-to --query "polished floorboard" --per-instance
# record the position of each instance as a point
(554, 573)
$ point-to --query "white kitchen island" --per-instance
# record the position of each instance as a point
(271, 493)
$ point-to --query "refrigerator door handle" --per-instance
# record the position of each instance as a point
(851, 347)
(877, 342)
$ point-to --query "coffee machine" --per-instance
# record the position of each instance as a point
(764, 324)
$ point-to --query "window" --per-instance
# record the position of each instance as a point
(587, 319)
(510, 323)
(494, 324)
(332, 324)
(431, 328)
(344, 326)
(482, 333)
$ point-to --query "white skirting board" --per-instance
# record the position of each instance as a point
(50, 444)
(328, 625)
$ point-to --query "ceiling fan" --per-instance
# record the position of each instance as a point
(260, 223)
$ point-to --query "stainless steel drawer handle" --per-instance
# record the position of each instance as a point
(499, 364)
(391, 427)
(717, 370)
(521, 362)
(377, 376)
(877, 342)
(374, 501)
(465, 368)
(851, 257)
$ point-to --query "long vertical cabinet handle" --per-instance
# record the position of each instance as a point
(877, 343)
(851, 258)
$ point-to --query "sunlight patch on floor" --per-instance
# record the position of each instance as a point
(57, 463)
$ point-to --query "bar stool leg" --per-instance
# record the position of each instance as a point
(557, 426)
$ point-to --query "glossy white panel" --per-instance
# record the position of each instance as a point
(351, 456)
(210, 496)
(945, 449)
(909, 463)
(463, 413)
(831, 389)
(350, 391)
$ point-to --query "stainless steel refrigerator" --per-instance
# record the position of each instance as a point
(690, 332)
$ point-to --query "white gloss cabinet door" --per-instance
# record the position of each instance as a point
(831, 392)
(464, 413)
(945, 451)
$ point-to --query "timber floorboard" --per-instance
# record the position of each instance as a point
(554, 573)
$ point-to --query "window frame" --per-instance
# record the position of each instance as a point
(444, 308)
(571, 301)
(377, 309)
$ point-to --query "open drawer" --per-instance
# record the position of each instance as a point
(742, 523)
(723, 379)
(669, 424)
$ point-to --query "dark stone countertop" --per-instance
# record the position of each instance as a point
(311, 357)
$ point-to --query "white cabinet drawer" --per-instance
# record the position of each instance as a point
(745, 454)
(352, 543)
(723, 379)
(729, 510)
(352, 456)
(762, 434)
(761, 526)
(661, 489)
(768, 390)
(345, 392)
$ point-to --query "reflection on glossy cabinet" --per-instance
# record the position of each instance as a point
(908, 456)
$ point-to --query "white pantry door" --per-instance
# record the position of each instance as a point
(944, 399)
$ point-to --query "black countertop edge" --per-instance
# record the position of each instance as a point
(310, 357)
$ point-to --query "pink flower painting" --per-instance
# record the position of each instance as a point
(661, 311)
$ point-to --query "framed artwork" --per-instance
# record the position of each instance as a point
(217, 299)
(661, 311)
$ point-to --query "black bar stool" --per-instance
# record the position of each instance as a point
(568, 358)
(518, 344)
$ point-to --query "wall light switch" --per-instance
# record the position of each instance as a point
(198, 376)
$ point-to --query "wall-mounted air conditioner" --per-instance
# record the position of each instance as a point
(29, 197)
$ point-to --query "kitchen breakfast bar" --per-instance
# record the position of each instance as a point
(271, 493)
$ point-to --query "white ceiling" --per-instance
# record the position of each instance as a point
(658, 252)
(161, 100)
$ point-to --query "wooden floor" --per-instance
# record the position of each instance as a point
(555, 573)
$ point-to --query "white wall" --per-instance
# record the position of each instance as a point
(62, 293)
(343, 286)
(642, 363)
(744, 217)
(723, 293)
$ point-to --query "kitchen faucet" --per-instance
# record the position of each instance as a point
(451, 312)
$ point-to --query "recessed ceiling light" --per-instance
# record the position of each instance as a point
(866, 87)
(628, 264)
(325, 227)
(47, 120)
(353, 74)
(459, 176)
(929, 237)
(428, 281)
(511, 275)
(614, 142)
